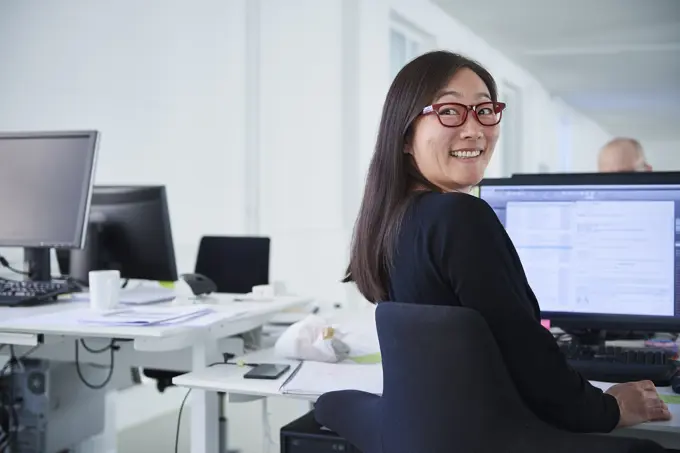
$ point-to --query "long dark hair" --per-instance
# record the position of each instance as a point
(392, 174)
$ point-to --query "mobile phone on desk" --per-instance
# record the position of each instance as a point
(267, 371)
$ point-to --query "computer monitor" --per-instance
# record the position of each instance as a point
(129, 230)
(45, 188)
(601, 251)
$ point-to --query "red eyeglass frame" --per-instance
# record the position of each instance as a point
(500, 106)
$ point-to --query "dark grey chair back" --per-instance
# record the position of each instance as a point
(234, 263)
(446, 390)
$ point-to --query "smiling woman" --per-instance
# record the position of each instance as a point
(454, 157)
(422, 238)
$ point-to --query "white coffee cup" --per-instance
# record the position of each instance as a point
(104, 289)
(270, 291)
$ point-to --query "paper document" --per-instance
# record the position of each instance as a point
(140, 295)
(146, 316)
(317, 378)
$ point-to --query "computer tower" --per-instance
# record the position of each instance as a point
(305, 435)
(47, 408)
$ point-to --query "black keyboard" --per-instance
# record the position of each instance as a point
(616, 364)
(24, 293)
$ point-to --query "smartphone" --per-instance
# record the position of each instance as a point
(267, 371)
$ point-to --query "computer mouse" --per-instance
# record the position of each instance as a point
(200, 284)
(675, 383)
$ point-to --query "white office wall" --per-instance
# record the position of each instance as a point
(663, 155)
(540, 112)
(164, 82)
(301, 119)
(585, 142)
(259, 115)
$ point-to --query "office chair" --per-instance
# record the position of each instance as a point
(235, 264)
(446, 389)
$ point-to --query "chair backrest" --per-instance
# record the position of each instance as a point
(234, 263)
(444, 379)
(446, 389)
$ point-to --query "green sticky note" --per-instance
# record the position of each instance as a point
(169, 285)
(670, 399)
(368, 358)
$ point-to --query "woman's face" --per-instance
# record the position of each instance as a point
(455, 158)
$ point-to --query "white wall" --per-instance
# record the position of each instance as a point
(663, 155)
(162, 80)
(541, 113)
(301, 120)
(259, 115)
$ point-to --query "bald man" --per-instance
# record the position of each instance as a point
(622, 155)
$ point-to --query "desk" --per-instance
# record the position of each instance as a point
(229, 379)
(24, 327)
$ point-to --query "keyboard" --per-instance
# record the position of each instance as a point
(616, 364)
(25, 293)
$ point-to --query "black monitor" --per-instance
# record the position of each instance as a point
(45, 188)
(129, 231)
(601, 251)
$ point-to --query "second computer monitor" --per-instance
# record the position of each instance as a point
(129, 230)
(599, 252)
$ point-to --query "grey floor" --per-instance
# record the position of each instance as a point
(245, 428)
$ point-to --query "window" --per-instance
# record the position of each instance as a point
(511, 130)
(406, 43)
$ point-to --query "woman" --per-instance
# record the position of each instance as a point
(421, 238)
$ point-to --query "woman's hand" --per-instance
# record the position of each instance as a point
(638, 403)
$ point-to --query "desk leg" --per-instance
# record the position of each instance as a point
(204, 407)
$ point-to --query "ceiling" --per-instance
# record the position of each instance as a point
(617, 61)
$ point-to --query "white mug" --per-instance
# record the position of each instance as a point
(104, 289)
(270, 291)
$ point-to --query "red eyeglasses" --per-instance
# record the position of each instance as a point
(453, 114)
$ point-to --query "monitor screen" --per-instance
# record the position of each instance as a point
(596, 249)
(45, 188)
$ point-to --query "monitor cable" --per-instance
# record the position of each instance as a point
(112, 347)
(74, 282)
(4, 263)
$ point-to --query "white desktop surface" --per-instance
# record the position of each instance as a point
(229, 379)
(673, 425)
(201, 340)
(30, 320)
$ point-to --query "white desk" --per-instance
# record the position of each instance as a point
(25, 326)
(229, 379)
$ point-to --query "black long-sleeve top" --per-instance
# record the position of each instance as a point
(453, 250)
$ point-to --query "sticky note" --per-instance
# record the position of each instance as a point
(670, 399)
(368, 358)
(545, 323)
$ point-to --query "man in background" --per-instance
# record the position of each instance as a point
(622, 155)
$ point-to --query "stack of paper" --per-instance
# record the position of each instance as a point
(317, 378)
(146, 316)
(140, 295)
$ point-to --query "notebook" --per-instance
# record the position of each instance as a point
(317, 378)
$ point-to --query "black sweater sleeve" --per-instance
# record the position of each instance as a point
(479, 261)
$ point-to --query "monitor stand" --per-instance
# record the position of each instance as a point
(37, 260)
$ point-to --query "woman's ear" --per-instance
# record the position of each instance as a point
(408, 146)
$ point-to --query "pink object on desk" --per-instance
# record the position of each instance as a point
(545, 323)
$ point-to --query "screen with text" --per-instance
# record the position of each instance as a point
(596, 249)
